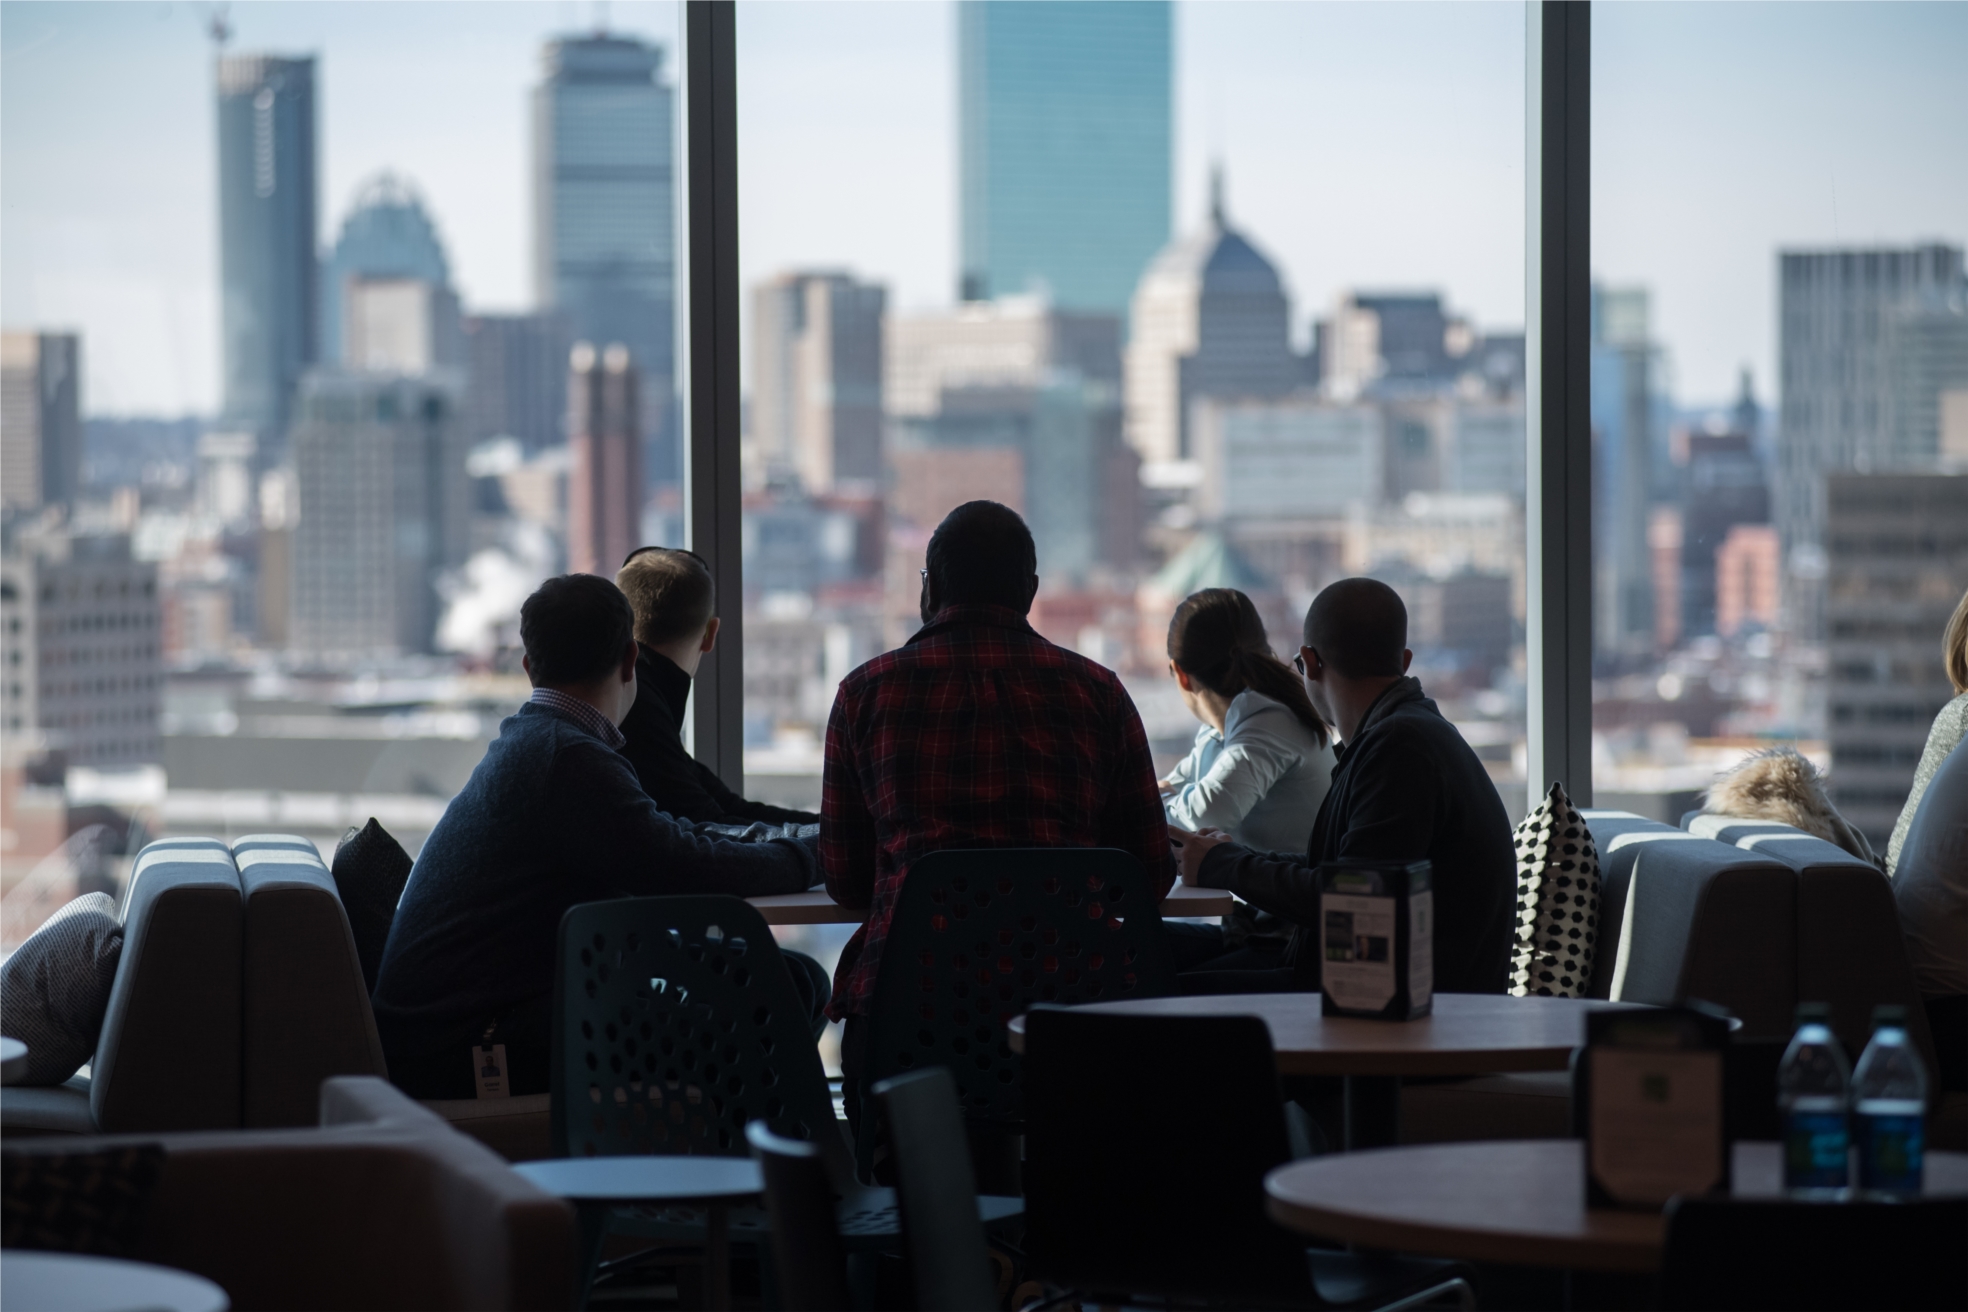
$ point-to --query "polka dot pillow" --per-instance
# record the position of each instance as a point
(1557, 902)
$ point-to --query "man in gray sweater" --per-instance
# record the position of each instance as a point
(553, 816)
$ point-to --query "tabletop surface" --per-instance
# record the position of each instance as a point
(13, 1059)
(647, 1179)
(1468, 1034)
(1517, 1202)
(815, 907)
(64, 1282)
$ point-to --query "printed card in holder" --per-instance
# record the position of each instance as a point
(1377, 939)
(1651, 1086)
(490, 1070)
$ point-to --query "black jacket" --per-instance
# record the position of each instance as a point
(675, 780)
(1406, 787)
(551, 817)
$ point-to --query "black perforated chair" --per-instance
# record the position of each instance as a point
(810, 1261)
(979, 936)
(1147, 1142)
(676, 1025)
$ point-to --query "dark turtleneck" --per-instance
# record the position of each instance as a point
(674, 780)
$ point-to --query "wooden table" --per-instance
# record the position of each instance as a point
(1515, 1202)
(815, 907)
(13, 1060)
(598, 1185)
(1468, 1034)
(63, 1282)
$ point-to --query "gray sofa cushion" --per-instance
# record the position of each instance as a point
(60, 1109)
(169, 1054)
(55, 987)
(306, 1008)
(1931, 881)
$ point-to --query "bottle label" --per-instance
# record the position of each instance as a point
(1814, 1150)
(1891, 1148)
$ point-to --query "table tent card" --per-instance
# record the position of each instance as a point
(1650, 1084)
(1377, 930)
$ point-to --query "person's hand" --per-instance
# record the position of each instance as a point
(1167, 786)
(1191, 848)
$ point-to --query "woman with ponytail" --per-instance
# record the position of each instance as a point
(1263, 758)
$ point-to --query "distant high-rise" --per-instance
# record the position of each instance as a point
(1210, 319)
(387, 235)
(402, 326)
(1869, 340)
(380, 467)
(1629, 428)
(817, 377)
(1064, 130)
(269, 317)
(604, 485)
(1726, 487)
(604, 213)
(1015, 341)
(40, 419)
(518, 368)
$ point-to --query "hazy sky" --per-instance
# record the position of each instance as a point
(1365, 145)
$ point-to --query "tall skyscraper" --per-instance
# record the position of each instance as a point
(518, 368)
(40, 419)
(604, 485)
(817, 377)
(1868, 340)
(1210, 319)
(379, 462)
(1629, 431)
(387, 234)
(604, 213)
(269, 317)
(1064, 130)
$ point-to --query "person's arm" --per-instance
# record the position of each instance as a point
(1133, 819)
(616, 833)
(847, 827)
(1250, 763)
(731, 808)
(1184, 771)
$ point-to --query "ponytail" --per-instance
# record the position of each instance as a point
(1217, 638)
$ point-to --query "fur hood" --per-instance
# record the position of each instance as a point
(1778, 784)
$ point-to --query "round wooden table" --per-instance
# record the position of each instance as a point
(1521, 1203)
(598, 1185)
(13, 1060)
(64, 1282)
(1468, 1034)
(815, 907)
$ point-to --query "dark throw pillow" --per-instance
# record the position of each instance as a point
(55, 988)
(370, 871)
(1557, 902)
(90, 1202)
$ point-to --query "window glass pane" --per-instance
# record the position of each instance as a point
(1213, 294)
(1779, 373)
(287, 432)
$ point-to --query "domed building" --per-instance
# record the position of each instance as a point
(387, 234)
(1209, 318)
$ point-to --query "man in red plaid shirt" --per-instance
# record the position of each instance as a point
(977, 732)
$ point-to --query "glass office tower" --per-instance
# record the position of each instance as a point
(387, 234)
(604, 213)
(1063, 127)
(268, 315)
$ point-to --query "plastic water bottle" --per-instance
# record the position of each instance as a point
(1811, 1095)
(1889, 1106)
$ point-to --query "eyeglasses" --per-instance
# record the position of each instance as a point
(679, 551)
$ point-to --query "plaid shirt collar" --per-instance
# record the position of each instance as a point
(967, 616)
(581, 713)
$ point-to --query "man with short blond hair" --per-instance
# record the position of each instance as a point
(676, 625)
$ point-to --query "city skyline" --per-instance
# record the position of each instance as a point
(140, 282)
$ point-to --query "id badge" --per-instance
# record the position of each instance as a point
(489, 1069)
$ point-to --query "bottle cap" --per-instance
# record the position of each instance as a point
(1888, 1014)
(1811, 1013)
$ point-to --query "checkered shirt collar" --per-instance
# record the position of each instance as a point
(581, 713)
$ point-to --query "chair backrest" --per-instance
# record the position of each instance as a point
(809, 1260)
(938, 1193)
(306, 1013)
(1146, 1145)
(981, 935)
(169, 1054)
(675, 1025)
(1774, 1253)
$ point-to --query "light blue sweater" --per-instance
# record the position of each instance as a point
(1261, 780)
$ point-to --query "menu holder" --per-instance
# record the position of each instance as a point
(1377, 939)
(1650, 1087)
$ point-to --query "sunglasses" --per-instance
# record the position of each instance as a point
(675, 551)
